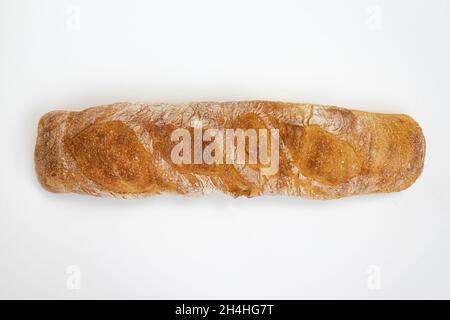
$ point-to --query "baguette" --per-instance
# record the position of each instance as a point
(245, 148)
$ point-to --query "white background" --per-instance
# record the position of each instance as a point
(384, 56)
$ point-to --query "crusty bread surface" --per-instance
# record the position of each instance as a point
(324, 152)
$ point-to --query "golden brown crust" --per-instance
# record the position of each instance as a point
(325, 152)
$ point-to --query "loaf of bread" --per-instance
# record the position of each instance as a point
(245, 148)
